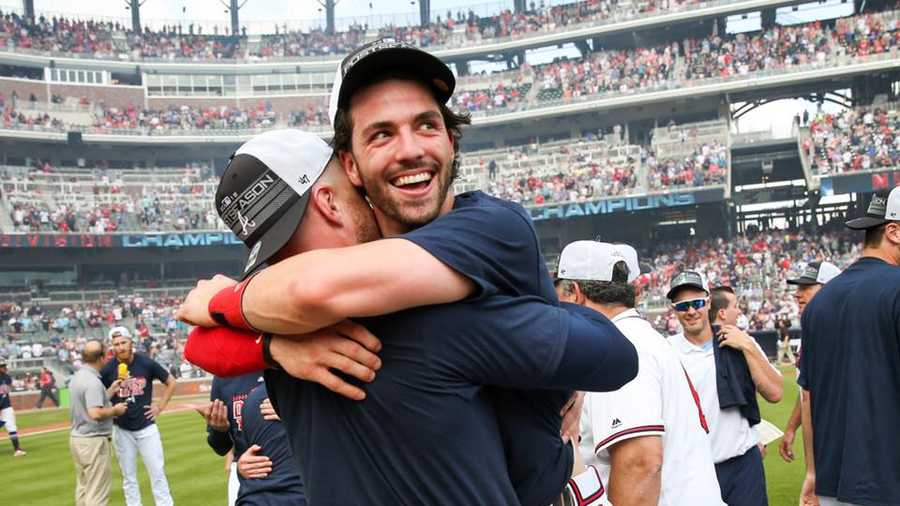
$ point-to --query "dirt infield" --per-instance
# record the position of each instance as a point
(176, 405)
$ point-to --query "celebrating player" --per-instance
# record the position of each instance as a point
(7, 413)
(136, 431)
(224, 420)
(850, 371)
(435, 361)
(808, 285)
(727, 367)
(649, 438)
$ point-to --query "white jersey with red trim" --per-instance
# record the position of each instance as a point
(661, 402)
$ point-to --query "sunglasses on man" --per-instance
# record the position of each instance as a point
(686, 305)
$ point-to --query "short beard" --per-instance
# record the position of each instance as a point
(392, 210)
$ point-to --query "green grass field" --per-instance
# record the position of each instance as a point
(196, 475)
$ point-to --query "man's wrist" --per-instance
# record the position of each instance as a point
(268, 358)
(226, 306)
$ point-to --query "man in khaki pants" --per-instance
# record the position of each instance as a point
(91, 434)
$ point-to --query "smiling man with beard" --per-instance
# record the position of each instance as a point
(427, 431)
(397, 142)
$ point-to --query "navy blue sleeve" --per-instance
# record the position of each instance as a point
(597, 356)
(493, 246)
(802, 360)
(220, 442)
(512, 342)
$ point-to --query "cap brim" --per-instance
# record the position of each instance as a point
(417, 62)
(802, 281)
(674, 289)
(277, 235)
(865, 222)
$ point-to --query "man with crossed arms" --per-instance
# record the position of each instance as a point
(649, 439)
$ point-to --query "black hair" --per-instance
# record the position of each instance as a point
(453, 121)
(617, 291)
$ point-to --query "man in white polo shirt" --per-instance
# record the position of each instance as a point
(648, 439)
(728, 368)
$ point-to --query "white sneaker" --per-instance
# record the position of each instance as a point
(19, 453)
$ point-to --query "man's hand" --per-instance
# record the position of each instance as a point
(268, 412)
(251, 465)
(194, 310)
(762, 449)
(786, 446)
(346, 347)
(152, 411)
(120, 409)
(734, 337)
(215, 414)
(571, 413)
(808, 491)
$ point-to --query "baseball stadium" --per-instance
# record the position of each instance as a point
(650, 208)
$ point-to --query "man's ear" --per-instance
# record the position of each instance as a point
(579, 295)
(348, 162)
(892, 232)
(326, 204)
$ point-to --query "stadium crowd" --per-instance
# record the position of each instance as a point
(31, 331)
(706, 165)
(855, 139)
(107, 202)
(601, 72)
(104, 39)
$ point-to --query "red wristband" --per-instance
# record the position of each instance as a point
(224, 351)
(226, 306)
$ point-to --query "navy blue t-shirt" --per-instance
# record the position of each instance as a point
(493, 242)
(851, 366)
(137, 390)
(282, 486)
(427, 431)
(5, 388)
(233, 392)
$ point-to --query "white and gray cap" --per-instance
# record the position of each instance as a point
(119, 332)
(883, 208)
(594, 261)
(264, 190)
(816, 273)
(692, 279)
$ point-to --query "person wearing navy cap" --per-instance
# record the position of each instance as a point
(807, 286)
(850, 371)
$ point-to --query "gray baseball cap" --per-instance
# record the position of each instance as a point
(684, 279)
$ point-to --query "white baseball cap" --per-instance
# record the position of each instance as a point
(884, 207)
(816, 273)
(119, 331)
(594, 261)
(264, 190)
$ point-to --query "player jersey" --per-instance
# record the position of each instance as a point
(137, 390)
(493, 242)
(660, 401)
(851, 366)
(282, 486)
(5, 388)
(233, 392)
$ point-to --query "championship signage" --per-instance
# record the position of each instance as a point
(625, 204)
(178, 240)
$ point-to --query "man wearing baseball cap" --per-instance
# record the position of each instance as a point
(728, 368)
(649, 439)
(397, 141)
(850, 371)
(436, 361)
(807, 284)
(7, 413)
